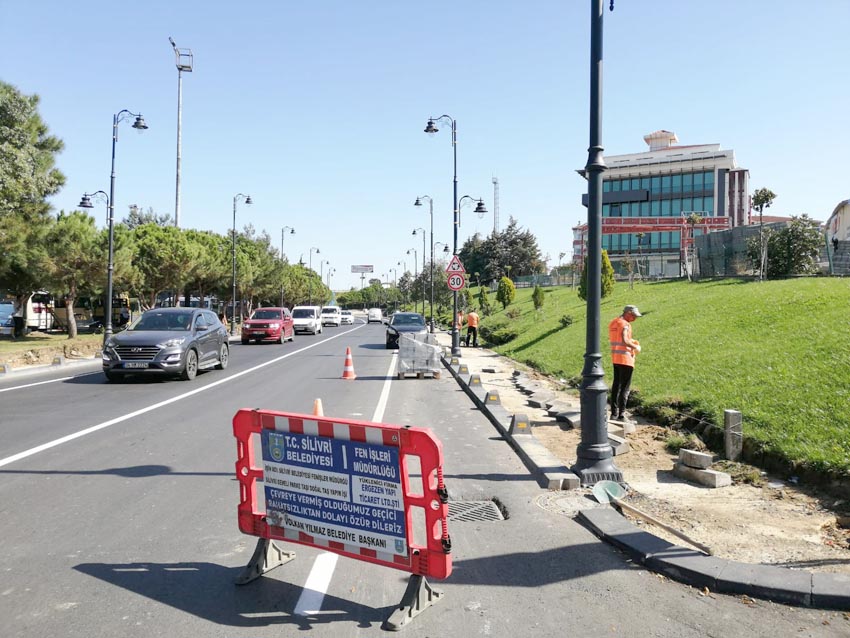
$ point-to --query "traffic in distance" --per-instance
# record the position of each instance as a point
(181, 342)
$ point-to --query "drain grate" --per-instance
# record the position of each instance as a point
(473, 511)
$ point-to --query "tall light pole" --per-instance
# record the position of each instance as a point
(415, 271)
(140, 125)
(331, 271)
(247, 200)
(414, 233)
(594, 460)
(431, 129)
(184, 61)
(418, 202)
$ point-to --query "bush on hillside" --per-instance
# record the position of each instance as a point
(607, 278)
(537, 297)
(506, 292)
(498, 332)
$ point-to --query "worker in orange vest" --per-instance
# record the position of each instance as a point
(623, 351)
(472, 328)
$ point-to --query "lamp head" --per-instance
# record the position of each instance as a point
(480, 208)
(430, 128)
(291, 231)
(85, 202)
(248, 200)
(140, 123)
(418, 202)
(446, 249)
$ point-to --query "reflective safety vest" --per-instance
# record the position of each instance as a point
(621, 352)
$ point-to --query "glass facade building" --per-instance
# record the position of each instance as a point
(655, 203)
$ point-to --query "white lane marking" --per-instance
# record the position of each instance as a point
(313, 593)
(155, 406)
(385, 391)
(29, 385)
(316, 587)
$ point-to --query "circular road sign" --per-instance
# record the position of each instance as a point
(456, 281)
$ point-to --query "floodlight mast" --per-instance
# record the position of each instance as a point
(184, 61)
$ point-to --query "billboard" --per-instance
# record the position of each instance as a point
(362, 269)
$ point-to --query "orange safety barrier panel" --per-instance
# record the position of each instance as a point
(344, 486)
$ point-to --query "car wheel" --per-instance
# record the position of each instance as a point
(280, 339)
(223, 357)
(245, 342)
(112, 377)
(390, 346)
(190, 370)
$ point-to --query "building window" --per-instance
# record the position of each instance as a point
(708, 205)
(615, 210)
(666, 183)
(644, 209)
(606, 210)
(665, 208)
(698, 181)
(688, 183)
(677, 184)
(687, 203)
(635, 184)
(698, 204)
(676, 206)
(644, 183)
(656, 207)
(709, 180)
(615, 185)
(606, 186)
(656, 186)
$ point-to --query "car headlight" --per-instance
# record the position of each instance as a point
(274, 326)
(392, 331)
(110, 343)
(176, 341)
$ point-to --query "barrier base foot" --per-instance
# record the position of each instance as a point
(266, 557)
(418, 596)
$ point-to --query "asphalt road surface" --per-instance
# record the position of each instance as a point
(118, 517)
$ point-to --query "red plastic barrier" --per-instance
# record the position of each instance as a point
(335, 484)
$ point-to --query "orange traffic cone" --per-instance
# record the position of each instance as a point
(348, 370)
(317, 408)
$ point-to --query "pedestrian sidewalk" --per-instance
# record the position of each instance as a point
(515, 400)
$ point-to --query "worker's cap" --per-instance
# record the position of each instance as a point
(632, 309)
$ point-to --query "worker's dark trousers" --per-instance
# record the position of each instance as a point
(620, 389)
(472, 335)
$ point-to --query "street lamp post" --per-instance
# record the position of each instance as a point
(312, 249)
(283, 257)
(431, 128)
(415, 271)
(594, 461)
(140, 125)
(184, 60)
(247, 200)
(85, 202)
(415, 231)
(418, 202)
(331, 271)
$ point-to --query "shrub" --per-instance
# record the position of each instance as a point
(498, 332)
(537, 297)
(566, 321)
(506, 292)
(513, 313)
(607, 278)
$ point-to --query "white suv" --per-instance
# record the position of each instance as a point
(331, 316)
(307, 319)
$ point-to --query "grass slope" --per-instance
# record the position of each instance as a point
(777, 351)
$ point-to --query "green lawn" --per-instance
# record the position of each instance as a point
(777, 351)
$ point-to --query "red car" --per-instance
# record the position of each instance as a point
(268, 324)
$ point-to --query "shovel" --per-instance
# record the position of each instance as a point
(613, 492)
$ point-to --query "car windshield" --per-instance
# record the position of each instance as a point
(163, 321)
(6, 310)
(302, 313)
(408, 320)
(346, 312)
(266, 314)
(329, 311)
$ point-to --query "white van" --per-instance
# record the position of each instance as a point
(374, 315)
(331, 316)
(307, 319)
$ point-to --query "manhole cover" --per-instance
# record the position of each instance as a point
(470, 511)
(566, 503)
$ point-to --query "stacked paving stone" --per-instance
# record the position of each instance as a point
(693, 466)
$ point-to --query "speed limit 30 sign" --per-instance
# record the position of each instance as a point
(456, 281)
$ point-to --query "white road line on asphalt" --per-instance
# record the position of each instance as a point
(316, 587)
(155, 406)
(385, 392)
(29, 385)
(313, 593)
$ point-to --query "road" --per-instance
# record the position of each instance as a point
(118, 517)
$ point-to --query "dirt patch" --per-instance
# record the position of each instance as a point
(759, 519)
(35, 353)
(771, 523)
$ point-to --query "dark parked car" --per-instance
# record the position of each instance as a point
(268, 324)
(404, 322)
(168, 341)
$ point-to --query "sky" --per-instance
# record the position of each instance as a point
(317, 109)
